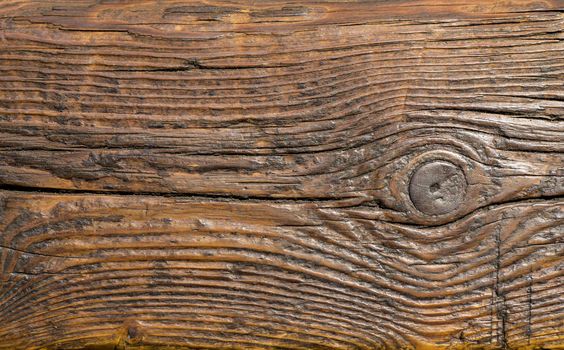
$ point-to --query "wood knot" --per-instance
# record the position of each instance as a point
(437, 187)
(133, 332)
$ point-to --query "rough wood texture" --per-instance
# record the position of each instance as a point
(297, 175)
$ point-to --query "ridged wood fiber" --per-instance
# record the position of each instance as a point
(281, 175)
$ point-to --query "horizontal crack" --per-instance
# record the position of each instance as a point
(195, 64)
(217, 197)
(39, 254)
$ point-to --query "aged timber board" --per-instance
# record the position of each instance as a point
(281, 175)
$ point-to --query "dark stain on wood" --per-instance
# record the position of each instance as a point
(281, 175)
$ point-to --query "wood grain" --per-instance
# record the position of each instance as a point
(299, 174)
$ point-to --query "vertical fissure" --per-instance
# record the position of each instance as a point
(500, 299)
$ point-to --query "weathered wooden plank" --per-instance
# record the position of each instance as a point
(332, 175)
(89, 269)
(103, 98)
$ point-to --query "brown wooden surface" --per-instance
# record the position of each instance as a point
(281, 175)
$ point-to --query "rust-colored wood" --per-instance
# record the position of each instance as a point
(281, 175)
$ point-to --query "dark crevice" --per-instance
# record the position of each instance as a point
(195, 196)
(39, 254)
(529, 307)
(195, 64)
(490, 206)
(530, 97)
(500, 297)
(493, 110)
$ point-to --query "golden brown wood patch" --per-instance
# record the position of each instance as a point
(281, 175)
